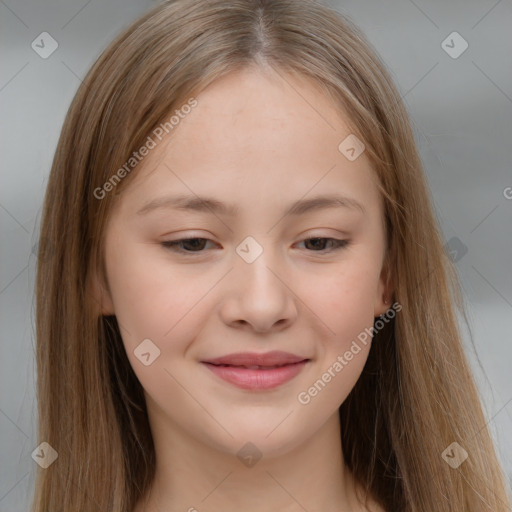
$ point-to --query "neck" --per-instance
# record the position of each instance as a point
(191, 476)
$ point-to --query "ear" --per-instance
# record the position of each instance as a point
(385, 289)
(101, 295)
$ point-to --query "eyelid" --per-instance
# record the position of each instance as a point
(173, 245)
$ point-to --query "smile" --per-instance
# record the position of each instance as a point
(257, 377)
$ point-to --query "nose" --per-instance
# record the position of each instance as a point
(258, 296)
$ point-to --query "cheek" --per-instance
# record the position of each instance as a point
(158, 301)
(344, 302)
(344, 298)
(147, 298)
(158, 312)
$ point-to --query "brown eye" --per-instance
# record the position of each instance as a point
(318, 244)
(186, 245)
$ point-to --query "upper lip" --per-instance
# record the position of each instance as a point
(274, 358)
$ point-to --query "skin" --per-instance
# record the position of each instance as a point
(261, 142)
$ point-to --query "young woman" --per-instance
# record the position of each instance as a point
(246, 304)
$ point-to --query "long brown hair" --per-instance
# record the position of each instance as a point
(415, 396)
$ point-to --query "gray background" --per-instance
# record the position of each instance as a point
(461, 110)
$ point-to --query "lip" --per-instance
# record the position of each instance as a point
(254, 371)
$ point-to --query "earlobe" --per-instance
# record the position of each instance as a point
(382, 304)
(385, 290)
(101, 296)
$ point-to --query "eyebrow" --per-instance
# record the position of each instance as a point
(211, 205)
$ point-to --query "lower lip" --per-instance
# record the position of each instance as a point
(254, 379)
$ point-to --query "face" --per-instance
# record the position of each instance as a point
(231, 310)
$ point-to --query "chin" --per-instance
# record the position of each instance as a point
(259, 439)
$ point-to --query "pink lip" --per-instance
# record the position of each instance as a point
(276, 368)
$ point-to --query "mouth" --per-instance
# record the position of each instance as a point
(250, 367)
(257, 371)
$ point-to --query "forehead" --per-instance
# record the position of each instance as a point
(263, 102)
(257, 132)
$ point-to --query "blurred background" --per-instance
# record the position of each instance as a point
(452, 62)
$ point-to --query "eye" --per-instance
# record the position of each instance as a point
(194, 245)
(318, 244)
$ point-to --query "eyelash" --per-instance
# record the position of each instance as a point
(173, 245)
